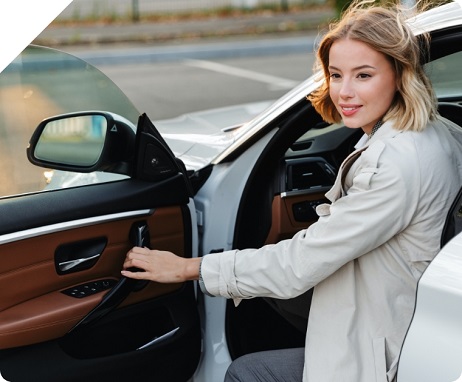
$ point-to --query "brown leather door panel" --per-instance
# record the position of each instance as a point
(32, 307)
(284, 224)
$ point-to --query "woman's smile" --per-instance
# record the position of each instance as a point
(348, 111)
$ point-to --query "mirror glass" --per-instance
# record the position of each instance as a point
(75, 140)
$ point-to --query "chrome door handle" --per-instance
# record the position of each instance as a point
(139, 236)
(66, 265)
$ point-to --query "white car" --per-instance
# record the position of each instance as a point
(114, 181)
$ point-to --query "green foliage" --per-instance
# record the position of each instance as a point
(340, 6)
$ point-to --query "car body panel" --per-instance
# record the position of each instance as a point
(197, 138)
(216, 234)
(432, 350)
(438, 18)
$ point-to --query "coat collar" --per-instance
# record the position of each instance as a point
(385, 131)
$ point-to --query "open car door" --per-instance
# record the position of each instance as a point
(66, 314)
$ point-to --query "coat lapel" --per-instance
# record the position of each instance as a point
(337, 189)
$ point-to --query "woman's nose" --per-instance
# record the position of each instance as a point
(346, 90)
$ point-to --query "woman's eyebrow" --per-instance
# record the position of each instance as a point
(361, 67)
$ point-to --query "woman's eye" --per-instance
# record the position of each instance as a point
(363, 75)
(334, 76)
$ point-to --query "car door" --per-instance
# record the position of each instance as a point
(65, 312)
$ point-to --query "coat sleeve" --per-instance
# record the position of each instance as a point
(379, 204)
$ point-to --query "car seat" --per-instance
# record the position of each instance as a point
(453, 224)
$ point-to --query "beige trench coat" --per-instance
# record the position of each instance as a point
(365, 254)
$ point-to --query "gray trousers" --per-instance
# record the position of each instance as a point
(284, 365)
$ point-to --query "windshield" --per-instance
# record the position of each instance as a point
(40, 83)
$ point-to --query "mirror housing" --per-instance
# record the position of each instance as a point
(84, 142)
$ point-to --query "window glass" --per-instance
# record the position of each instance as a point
(446, 76)
(38, 84)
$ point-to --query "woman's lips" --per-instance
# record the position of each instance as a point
(348, 111)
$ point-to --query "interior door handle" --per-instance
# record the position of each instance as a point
(67, 265)
(139, 236)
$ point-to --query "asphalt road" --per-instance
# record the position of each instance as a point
(168, 81)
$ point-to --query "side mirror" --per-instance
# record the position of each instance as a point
(84, 142)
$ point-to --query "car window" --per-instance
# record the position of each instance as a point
(38, 84)
(446, 76)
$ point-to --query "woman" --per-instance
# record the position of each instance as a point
(369, 247)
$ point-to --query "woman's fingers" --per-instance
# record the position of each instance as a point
(135, 275)
(160, 266)
(137, 257)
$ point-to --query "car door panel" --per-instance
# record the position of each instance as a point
(37, 298)
(303, 183)
(58, 207)
(45, 229)
(290, 214)
(109, 351)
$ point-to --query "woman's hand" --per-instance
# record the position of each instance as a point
(160, 266)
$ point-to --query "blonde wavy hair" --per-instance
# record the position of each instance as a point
(384, 29)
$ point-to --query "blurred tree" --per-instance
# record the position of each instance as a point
(135, 11)
(341, 5)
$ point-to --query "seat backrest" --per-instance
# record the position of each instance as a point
(451, 111)
(453, 224)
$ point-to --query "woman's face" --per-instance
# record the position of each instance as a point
(362, 83)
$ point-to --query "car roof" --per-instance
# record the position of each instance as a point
(444, 16)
